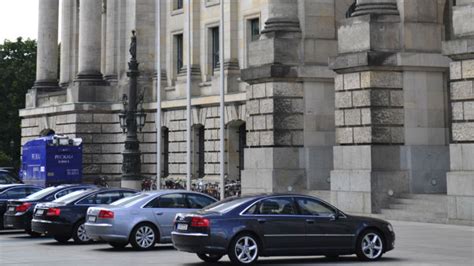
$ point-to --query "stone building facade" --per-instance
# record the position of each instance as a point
(360, 102)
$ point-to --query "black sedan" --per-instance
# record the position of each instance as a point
(279, 225)
(20, 212)
(13, 191)
(65, 217)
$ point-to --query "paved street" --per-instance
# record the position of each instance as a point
(417, 244)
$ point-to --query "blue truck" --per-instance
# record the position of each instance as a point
(52, 160)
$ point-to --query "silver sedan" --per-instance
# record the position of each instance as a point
(143, 219)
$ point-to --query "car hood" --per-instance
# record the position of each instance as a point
(367, 219)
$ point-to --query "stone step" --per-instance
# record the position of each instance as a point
(419, 207)
(428, 203)
(414, 216)
(427, 197)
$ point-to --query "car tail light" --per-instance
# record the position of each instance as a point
(105, 214)
(53, 212)
(198, 221)
(23, 207)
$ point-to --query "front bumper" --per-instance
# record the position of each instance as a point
(14, 221)
(104, 232)
(195, 243)
(51, 227)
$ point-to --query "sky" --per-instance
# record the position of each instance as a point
(18, 18)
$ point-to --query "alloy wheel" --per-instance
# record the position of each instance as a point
(81, 233)
(372, 246)
(145, 237)
(246, 249)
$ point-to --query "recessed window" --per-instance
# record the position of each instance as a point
(178, 39)
(254, 29)
(178, 4)
(215, 48)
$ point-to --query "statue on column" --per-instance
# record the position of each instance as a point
(133, 46)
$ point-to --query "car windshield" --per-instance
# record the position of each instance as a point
(225, 205)
(40, 194)
(129, 200)
(72, 196)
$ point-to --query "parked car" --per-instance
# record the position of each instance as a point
(13, 191)
(144, 219)
(64, 217)
(20, 212)
(8, 177)
(279, 225)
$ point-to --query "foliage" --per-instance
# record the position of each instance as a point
(17, 75)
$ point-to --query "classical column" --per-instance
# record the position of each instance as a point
(369, 110)
(90, 21)
(111, 40)
(67, 31)
(47, 57)
(274, 106)
(460, 178)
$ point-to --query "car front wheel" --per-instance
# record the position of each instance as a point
(209, 257)
(244, 250)
(370, 246)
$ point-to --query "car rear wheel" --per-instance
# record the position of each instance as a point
(118, 245)
(370, 246)
(143, 237)
(244, 249)
(209, 257)
(62, 239)
(79, 233)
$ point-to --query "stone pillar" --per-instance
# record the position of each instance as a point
(67, 31)
(111, 40)
(47, 57)
(273, 159)
(369, 110)
(460, 179)
(90, 21)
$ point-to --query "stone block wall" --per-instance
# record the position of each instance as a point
(369, 108)
(275, 114)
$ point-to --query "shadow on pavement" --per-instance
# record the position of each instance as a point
(69, 243)
(130, 249)
(11, 232)
(306, 261)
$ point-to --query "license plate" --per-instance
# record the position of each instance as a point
(92, 219)
(39, 212)
(10, 209)
(183, 227)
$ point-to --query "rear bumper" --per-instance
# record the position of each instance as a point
(104, 232)
(195, 243)
(22, 221)
(51, 227)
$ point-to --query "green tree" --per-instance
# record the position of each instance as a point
(17, 75)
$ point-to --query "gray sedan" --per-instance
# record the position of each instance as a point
(143, 219)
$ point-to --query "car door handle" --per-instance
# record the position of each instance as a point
(310, 221)
(261, 221)
(158, 213)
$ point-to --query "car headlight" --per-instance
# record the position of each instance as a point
(390, 228)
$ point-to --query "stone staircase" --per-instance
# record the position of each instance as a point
(427, 208)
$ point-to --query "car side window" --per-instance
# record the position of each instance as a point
(16, 193)
(88, 200)
(277, 206)
(198, 201)
(127, 194)
(168, 201)
(107, 197)
(66, 191)
(313, 207)
(3, 179)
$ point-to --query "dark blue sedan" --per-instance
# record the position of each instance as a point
(13, 191)
(279, 225)
(20, 211)
(65, 217)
